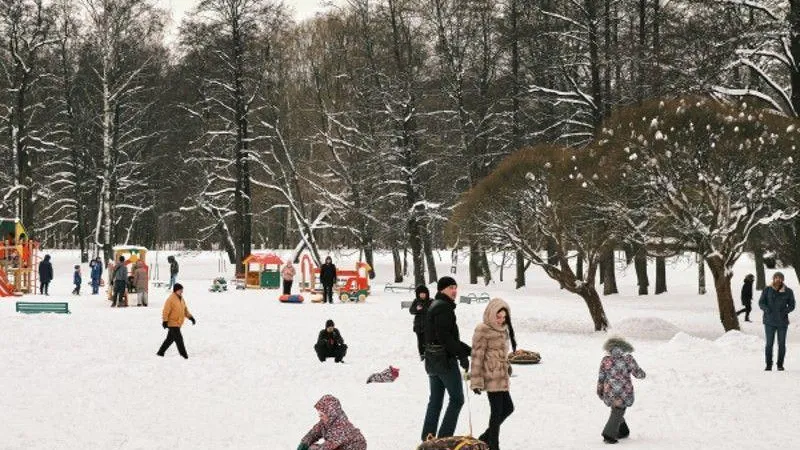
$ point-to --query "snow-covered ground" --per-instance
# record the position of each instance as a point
(91, 379)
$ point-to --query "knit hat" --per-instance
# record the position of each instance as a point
(177, 287)
(329, 323)
(444, 283)
(778, 275)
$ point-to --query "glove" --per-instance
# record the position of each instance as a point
(192, 320)
(302, 447)
(477, 391)
(164, 324)
(464, 362)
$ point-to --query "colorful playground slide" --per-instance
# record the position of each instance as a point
(6, 289)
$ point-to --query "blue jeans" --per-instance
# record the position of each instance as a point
(172, 281)
(95, 285)
(770, 331)
(451, 382)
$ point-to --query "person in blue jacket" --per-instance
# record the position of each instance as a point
(777, 301)
(96, 274)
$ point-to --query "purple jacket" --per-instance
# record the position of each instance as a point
(614, 385)
(338, 432)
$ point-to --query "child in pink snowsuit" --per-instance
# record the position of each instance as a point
(334, 428)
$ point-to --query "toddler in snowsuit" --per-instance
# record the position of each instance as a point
(76, 280)
(384, 376)
(615, 388)
(334, 428)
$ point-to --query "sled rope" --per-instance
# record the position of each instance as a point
(469, 408)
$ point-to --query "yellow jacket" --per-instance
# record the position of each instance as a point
(175, 311)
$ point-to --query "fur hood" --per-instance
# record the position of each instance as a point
(617, 342)
(489, 314)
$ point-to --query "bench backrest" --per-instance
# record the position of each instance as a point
(43, 307)
(405, 304)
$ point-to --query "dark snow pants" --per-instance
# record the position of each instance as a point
(421, 343)
(770, 332)
(748, 306)
(501, 407)
(449, 381)
(327, 293)
(615, 421)
(173, 335)
(119, 293)
(337, 352)
(287, 287)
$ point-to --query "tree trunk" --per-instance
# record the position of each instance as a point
(369, 257)
(405, 261)
(520, 269)
(595, 305)
(579, 266)
(417, 256)
(701, 275)
(430, 261)
(640, 264)
(398, 265)
(474, 266)
(486, 271)
(758, 253)
(609, 274)
(661, 275)
(722, 283)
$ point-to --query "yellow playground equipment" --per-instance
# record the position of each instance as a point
(19, 261)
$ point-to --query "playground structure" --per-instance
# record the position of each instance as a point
(132, 255)
(259, 273)
(351, 285)
(19, 260)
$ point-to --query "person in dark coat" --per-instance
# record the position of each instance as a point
(77, 280)
(747, 297)
(173, 271)
(444, 352)
(777, 301)
(327, 276)
(96, 274)
(45, 275)
(419, 307)
(330, 344)
(120, 277)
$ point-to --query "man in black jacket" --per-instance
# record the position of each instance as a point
(330, 344)
(747, 297)
(444, 352)
(327, 276)
(419, 309)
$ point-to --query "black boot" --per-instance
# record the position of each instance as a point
(624, 431)
(769, 367)
(609, 440)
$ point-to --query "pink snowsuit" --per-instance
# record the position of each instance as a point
(338, 433)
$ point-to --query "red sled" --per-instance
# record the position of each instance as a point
(291, 298)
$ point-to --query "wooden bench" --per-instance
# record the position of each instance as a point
(397, 288)
(483, 297)
(36, 307)
(159, 283)
(405, 304)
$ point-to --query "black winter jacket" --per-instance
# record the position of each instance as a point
(441, 327)
(330, 340)
(776, 306)
(327, 274)
(419, 309)
(747, 292)
(46, 270)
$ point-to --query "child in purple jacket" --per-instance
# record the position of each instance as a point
(334, 428)
(615, 388)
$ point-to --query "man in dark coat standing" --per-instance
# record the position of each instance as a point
(45, 275)
(327, 276)
(330, 344)
(777, 301)
(419, 308)
(173, 271)
(747, 297)
(444, 352)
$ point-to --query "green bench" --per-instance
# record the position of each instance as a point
(37, 307)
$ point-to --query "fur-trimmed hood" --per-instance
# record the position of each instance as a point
(617, 342)
(489, 314)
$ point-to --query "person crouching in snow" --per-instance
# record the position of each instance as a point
(419, 308)
(615, 388)
(489, 370)
(334, 428)
(175, 311)
(330, 343)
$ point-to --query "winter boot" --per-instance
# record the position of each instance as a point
(624, 431)
(780, 368)
(609, 440)
(768, 368)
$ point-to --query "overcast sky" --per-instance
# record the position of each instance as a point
(303, 9)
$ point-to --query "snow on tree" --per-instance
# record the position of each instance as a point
(538, 197)
(711, 174)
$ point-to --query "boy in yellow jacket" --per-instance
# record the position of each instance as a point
(175, 311)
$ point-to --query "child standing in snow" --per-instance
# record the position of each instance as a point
(334, 428)
(615, 388)
(419, 308)
(76, 280)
